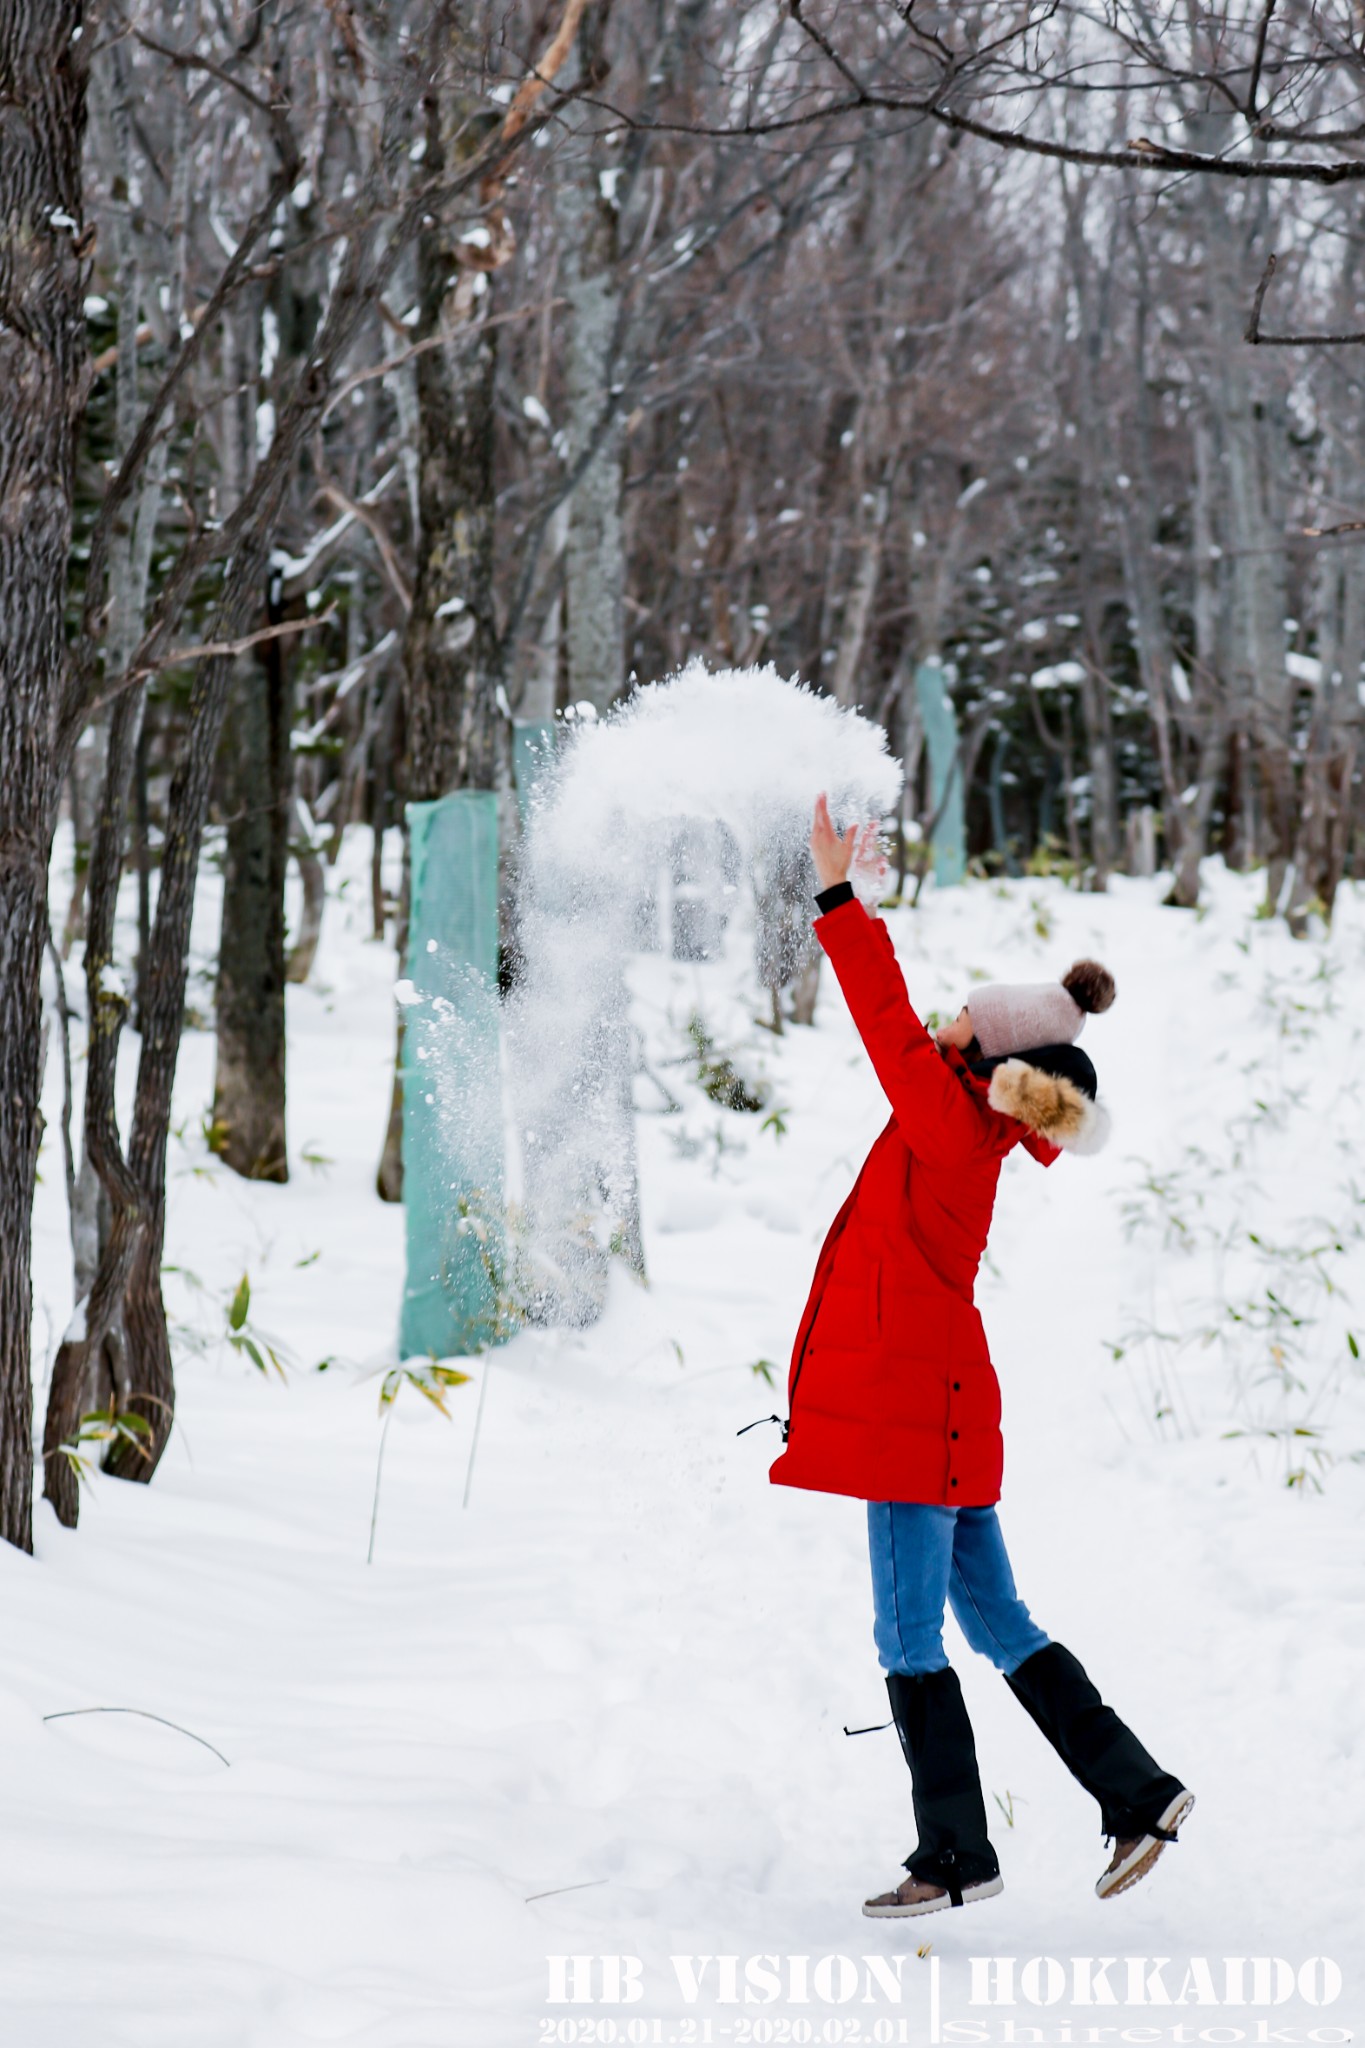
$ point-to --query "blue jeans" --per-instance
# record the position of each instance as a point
(923, 1556)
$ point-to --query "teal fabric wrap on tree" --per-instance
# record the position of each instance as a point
(949, 835)
(452, 1087)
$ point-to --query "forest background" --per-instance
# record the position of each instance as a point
(376, 377)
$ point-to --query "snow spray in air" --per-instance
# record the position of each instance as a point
(731, 761)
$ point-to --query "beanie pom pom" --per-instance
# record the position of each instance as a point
(1090, 986)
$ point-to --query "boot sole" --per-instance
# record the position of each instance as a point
(1141, 1861)
(970, 1894)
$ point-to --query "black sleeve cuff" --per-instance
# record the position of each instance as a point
(830, 899)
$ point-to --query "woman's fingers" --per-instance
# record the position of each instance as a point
(836, 852)
(823, 837)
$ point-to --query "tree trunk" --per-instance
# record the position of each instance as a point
(847, 682)
(249, 1081)
(455, 730)
(452, 653)
(594, 561)
(44, 377)
(256, 769)
(1331, 746)
(86, 1369)
(1094, 690)
(313, 878)
(1249, 431)
(784, 943)
(1204, 722)
(107, 1204)
(147, 1386)
(127, 1288)
(83, 781)
(122, 1336)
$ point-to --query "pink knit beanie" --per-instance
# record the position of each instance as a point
(1012, 1016)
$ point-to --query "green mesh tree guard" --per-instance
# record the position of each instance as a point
(533, 751)
(452, 1087)
(945, 774)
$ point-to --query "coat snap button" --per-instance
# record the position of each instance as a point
(954, 1436)
(952, 1482)
(957, 1386)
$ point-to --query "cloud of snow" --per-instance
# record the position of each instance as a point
(710, 777)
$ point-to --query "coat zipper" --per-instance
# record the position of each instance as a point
(796, 1381)
(841, 1220)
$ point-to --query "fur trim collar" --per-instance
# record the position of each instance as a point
(1050, 1105)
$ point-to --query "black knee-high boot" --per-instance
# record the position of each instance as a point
(1099, 1751)
(954, 1849)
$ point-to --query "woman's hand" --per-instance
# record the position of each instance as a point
(836, 853)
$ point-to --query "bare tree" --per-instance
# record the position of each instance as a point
(383, 219)
(44, 254)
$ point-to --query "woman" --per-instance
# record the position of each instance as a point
(892, 1396)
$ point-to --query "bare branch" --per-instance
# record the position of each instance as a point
(193, 60)
(206, 650)
(519, 113)
(185, 358)
(1253, 326)
(361, 512)
(1254, 335)
(418, 348)
(530, 89)
(1255, 83)
(367, 266)
(1141, 154)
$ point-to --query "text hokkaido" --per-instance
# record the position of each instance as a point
(1227, 1982)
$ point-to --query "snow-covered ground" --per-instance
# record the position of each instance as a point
(598, 1711)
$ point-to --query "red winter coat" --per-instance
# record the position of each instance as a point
(891, 1393)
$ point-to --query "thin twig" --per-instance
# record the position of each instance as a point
(1255, 85)
(1254, 335)
(70, 1713)
(358, 510)
(586, 1886)
(107, 358)
(1253, 326)
(208, 648)
(378, 1475)
(405, 355)
(275, 107)
(474, 1440)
